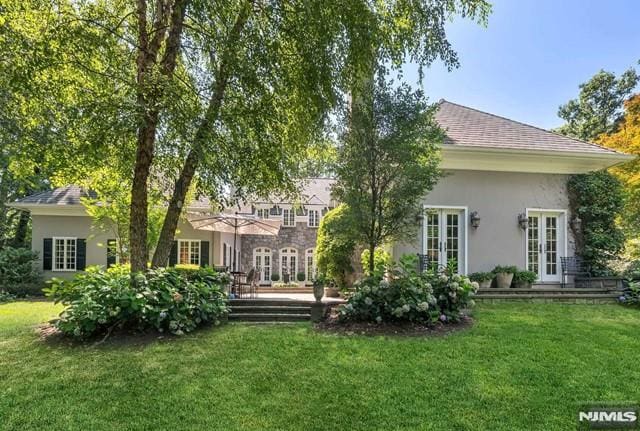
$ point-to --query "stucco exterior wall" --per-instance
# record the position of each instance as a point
(498, 197)
(48, 226)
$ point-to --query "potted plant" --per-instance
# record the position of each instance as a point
(331, 290)
(484, 279)
(300, 277)
(504, 276)
(524, 279)
(275, 277)
(318, 288)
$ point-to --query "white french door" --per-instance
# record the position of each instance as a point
(445, 237)
(545, 244)
(262, 263)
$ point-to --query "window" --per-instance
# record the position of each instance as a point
(314, 218)
(64, 254)
(310, 265)
(113, 256)
(288, 263)
(288, 217)
(262, 212)
(189, 252)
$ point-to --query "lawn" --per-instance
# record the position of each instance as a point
(522, 366)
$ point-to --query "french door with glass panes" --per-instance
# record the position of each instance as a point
(545, 244)
(444, 240)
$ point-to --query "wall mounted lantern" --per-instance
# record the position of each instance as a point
(475, 219)
(523, 221)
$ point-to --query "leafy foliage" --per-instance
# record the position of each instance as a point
(18, 273)
(598, 108)
(597, 199)
(388, 161)
(524, 277)
(481, 276)
(410, 296)
(631, 295)
(505, 269)
(381, 261)
(335, 246)
(6, 296)
(172, 300)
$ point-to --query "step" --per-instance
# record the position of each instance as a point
(546, 291)
(603, 297)
(269, 302)
(270, 309)
(269, 317)
(286, 290)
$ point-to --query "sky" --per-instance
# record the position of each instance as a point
(533, 54)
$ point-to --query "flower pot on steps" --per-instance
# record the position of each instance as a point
(503, 280)
(485, 284)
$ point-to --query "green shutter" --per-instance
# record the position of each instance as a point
(81, 254)
(47, 254)
(204, 253)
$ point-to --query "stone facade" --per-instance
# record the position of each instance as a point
(300, 237)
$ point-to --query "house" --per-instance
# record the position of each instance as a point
(503, 201)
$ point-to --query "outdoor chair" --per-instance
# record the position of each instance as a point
(574, 266)
(245, 286)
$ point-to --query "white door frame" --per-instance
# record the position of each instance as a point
(565, 233)
(265, 252)
(463, 224)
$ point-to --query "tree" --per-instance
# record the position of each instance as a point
(627, 139)
(335, 246)
(598, 108)
(388, 161)
(192, 92)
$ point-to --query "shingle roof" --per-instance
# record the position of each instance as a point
(68, 195)
(471, 127)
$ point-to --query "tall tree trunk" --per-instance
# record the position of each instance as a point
(177, 203)
(148, 99)
(4, 194)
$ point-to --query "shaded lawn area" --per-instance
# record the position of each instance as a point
(522, 366)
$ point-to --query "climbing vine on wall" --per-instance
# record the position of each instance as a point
(597, 198)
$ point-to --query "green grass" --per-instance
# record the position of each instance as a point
(522, 366)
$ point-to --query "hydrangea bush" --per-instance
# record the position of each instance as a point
(631, 295)
(172, 300)
(409, 296)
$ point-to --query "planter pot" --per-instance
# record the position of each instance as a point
(503, 280)
(318, 291)
(523, 285)
(485, 284)
(331, 292)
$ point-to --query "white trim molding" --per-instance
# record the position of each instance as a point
(465, 157)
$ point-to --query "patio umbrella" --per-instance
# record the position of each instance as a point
(237, 223)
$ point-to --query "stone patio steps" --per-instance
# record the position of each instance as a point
(269, 310)
(550, 294)
(285, 290)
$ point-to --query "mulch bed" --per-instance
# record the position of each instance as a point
(408, 329)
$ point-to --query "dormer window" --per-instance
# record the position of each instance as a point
(262, 212)
(288, 217)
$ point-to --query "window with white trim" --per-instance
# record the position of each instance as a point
(310, 265)
(314, 218)
(64, 253)
(262, 212)
(288, 263)
(288, 217)
(189, 252)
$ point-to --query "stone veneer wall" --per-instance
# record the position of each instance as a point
(300, 237)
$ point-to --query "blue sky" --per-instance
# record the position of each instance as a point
(533, 55)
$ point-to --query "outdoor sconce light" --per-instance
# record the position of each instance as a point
(419, 218)
(576, 224)
(523, 221)
(475, 219)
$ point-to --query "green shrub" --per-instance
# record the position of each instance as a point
(275, 277)
(6, 296)
(18, 273)
(172, 300)
(522, 277)
(381, 261)
(481, 276)
(505, 269)
(631, 294)
(335, 246)
(301, 276)
(409, 296)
